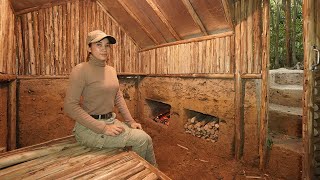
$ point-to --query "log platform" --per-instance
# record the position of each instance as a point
(66, 159)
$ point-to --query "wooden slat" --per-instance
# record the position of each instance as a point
(243, 51)
(257, 36)
(250, 37)
(194, 16)
(36, 42)
(264, 110)
(162, 17)
(20, 48)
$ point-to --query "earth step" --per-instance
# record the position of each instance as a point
(285, 157)
(286, 77)
(285, 120)
(286, 95)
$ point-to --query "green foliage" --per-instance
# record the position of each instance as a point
(277, 5)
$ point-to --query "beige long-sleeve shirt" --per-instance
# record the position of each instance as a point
(98, 84)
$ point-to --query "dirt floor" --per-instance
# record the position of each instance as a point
(183, 156)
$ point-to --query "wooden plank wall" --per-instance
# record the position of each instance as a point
(7, 45)
(249, 48)
(52, 40)
(207, 56)
(215, 55)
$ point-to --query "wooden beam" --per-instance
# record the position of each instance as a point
(145, 29)
(251, 76)
(208, 76)
(12, 116)
(157, 10)
(227, 11)
(42, 77)
(105, 9)
(239, 126)
(47, 5)
(229, 33)
(264, 110)
(194, 16)
(309, 35)
(7, 77)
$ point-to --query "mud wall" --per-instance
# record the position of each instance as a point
(214, 97)
(3, 115)
(40, 109)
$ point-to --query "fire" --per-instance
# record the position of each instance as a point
(163, 118)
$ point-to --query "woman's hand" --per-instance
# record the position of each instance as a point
(113, 130)
(135, 125)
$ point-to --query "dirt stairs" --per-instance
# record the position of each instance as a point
(285, 123)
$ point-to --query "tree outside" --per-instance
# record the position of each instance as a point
(286, 40)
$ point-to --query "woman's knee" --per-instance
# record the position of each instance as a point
(141, 137)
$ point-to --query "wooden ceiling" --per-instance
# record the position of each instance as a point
(154, 22)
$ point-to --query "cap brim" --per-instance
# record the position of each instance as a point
(111, 39)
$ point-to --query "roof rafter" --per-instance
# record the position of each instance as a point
(227, 11)
(123, 4)
(106, 10)
(157, 10)
(194, 16)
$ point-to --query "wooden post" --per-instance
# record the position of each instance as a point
(307, 121)
(264, 85)
(12, 121)
(238, 105)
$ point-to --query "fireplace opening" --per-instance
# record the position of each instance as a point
(202, 125)
(159, 112)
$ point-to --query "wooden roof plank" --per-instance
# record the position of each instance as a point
(123, 4)
(105, 9)
(154, 6)
(194, 16)
(227, 10)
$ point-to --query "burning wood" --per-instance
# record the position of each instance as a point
(203, 127)
(163, 118)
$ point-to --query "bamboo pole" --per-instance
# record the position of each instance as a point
(55, 142)
(29, 155)
(20, 170)
(132, 171)
(307, 120)
(69, 164)
(140, 175)
(264, 110)
(114, 160)
(114, 172)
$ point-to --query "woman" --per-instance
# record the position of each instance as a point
(96, 124)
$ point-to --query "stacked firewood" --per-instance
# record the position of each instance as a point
(203, 127)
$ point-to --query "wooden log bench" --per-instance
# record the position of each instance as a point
(66, 159)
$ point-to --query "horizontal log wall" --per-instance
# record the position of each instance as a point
(7, 45)
(208, 56)
(52, 40)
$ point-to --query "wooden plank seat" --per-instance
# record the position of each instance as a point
(66, 159)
